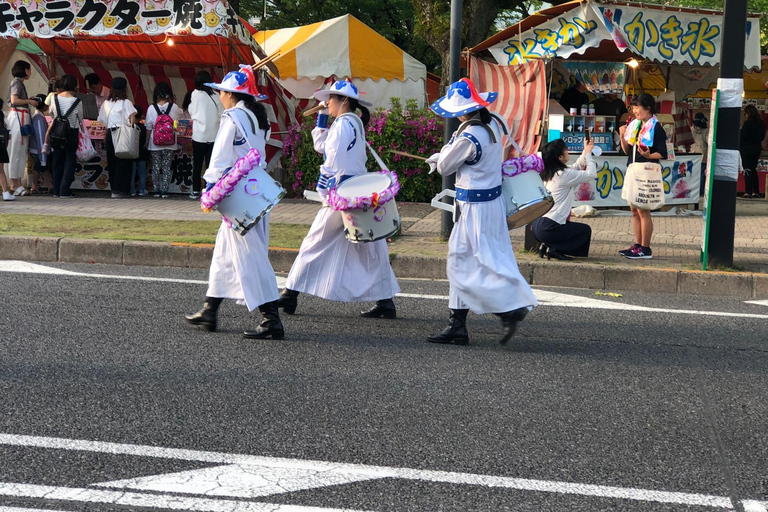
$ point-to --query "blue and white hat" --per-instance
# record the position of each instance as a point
(342, 88)
(462, 98)
(241, 81)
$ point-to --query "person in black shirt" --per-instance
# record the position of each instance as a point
(575, 97)
(644, 109)
(752, 133)
(610, 105)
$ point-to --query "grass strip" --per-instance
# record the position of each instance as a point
(289, 236)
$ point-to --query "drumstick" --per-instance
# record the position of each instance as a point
(266, 60)
(403, 153)
(314, 110)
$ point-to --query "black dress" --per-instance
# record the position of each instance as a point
(752, 133)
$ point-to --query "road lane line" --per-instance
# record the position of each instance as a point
(135, 499)
(568, 488)
(545, 297)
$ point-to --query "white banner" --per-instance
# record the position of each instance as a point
(682, 178)
(657, 35)
(38, 18)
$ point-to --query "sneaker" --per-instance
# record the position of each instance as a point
(70, 196)
(21, 191)
(7, 196)
(641, 253)
(194, 195)
(142, 194)
(157, 196)
(118, 195)
(133, 194)
(165, 195)
(627, 252)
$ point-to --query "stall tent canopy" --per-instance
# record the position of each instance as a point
(590, 31)
(344, 47)
(145, 42)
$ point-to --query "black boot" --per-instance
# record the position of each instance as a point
(288, 301)
(270, 326)
(383, 308)
(456, 332)
(509, 322)
(206, 316)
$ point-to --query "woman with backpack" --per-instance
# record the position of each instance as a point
(161, 136)
(61, 138)
(205, 110)
(115, 112)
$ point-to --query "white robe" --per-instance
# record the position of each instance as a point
(482, 269)
(329, 265)
(240, 267)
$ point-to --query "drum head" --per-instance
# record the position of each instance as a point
(530, 213)
(364, 185)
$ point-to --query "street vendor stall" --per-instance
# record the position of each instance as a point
(145, 42)
(595, 43)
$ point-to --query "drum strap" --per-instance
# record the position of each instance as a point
(352, 117)
(476, 122)
(239, 125)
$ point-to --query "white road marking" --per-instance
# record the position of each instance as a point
(758, 302)
(134, 499)
(241, 480)
(360, 470)
(754, 506)
(545, 298)
(17, 509)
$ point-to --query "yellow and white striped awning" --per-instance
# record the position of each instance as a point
(344, 47)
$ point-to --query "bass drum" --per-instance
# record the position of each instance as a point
(526, 198)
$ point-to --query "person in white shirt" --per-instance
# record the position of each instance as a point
(328, 264)
(115, 112)
(162, 147)
(240, 267)
(204, 110)
(99, 91)
(560, 237)
(482, 269)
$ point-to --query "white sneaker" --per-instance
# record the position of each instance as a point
(7, 196)
(21, 191)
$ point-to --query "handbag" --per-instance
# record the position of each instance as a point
(643, 185)
(85, 150)
(126, 138)
(25, 129)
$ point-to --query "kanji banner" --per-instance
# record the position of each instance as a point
(36, 18)
(664, 36)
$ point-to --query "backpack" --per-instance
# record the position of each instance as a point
(63, 135)
(164, 133)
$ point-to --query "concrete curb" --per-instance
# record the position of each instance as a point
(571, 275)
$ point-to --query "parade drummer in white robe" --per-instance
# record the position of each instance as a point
(482, 270)
(329, 265)
(240, 267)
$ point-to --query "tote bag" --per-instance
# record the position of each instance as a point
(85, 150)
(126, 140)
(643, 185)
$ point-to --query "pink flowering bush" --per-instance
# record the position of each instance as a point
(402, 128)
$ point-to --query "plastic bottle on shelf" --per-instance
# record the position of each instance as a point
(570, 125)
(591, 109)
(584, 110)
(581, 125)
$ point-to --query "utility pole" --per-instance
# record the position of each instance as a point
(726, 171)
(452, 124)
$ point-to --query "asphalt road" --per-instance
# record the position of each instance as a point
(593, 405)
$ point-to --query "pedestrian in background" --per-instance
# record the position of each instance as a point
(63, 158)
(4, 136)
(750, 147)
(41, 160)
(115, 112)
(139, 169)
(205, 111)
(161, 136)
(18, 122)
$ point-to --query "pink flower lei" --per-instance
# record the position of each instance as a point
(521, 164)
(210, 198)
(340, 203)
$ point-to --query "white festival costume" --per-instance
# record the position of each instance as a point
(482, 268)
(329, 265)
(240, 267)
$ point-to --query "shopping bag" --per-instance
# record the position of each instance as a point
(126, 141)
(643, 186)
(85, 150)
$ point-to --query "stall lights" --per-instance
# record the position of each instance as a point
(633, 63)
(170, 42)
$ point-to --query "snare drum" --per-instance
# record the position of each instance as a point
(526, 198)
(369, 223)
(250, 200)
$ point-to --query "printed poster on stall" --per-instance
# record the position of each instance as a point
(599, 77)
(681, 178)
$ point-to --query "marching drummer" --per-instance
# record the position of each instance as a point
(328, 265)
(482, 270)
(240, 268)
